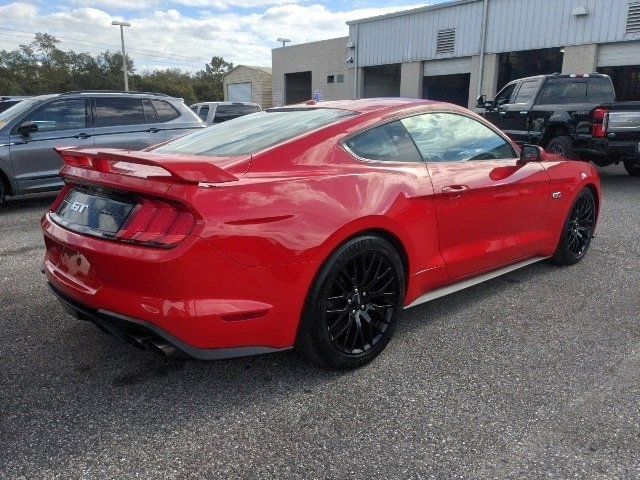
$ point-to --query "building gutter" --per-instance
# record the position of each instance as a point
(483, 41)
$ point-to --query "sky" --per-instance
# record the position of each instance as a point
(186, 33)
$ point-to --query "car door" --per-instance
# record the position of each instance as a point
(514, 117)
(124, 122)
(61, 123)
(490, 207)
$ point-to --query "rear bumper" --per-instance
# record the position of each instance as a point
(610, 148)
(146, 335)
(193, 296)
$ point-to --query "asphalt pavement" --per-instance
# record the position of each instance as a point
(532, 375)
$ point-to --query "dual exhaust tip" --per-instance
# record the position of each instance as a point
(152, 343)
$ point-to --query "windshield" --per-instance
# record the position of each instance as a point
(255, 132)
(18, 109)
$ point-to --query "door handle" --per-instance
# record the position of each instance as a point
(153, 130)
(82, 135)
(454, 190)
(502, 112)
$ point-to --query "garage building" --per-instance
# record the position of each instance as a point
(246, 83)
(457, 50)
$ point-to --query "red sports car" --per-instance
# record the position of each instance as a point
(307, 226)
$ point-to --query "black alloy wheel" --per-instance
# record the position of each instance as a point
(578, 230)
(361, 302)
(350, 314)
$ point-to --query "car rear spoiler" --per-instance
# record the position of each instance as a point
(180, 168)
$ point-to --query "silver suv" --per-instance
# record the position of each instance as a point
(31, 129)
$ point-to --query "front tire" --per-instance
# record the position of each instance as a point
(350, 314)
(632, 168)
(577, 231)
(562, 146)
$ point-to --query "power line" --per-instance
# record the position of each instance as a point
(80, 42)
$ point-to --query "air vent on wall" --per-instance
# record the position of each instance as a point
(633, 19)
(446, 40)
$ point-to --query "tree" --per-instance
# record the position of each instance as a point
(41, 67)
(208, 82)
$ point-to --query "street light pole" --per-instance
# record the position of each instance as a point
(284, 41)
(124, 56)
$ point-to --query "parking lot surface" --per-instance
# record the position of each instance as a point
(534, 374)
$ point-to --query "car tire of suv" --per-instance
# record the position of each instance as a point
(577, 230)
(350, 314)
(562, 146)
(632, 167)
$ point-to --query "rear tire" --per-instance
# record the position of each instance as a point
(632, 167)
(577, 231)
(350, 314)
(562, 146)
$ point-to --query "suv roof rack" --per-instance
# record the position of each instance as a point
(130, 92)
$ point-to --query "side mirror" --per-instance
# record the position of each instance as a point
(530, 153)
(481, 102)
(27, 128)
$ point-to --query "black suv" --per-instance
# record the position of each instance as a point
(575, 116)
(30, 130)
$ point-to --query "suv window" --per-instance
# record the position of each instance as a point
(505, 94)
(449, 137)
(227, 112)
(114, 111)
(389, 142)
(527, 91)
(150, 115)
(60, 115)
(204, 111)
(166, 111)
(561, 91)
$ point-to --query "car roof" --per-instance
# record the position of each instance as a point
(366, 105)
(105, 93)
(225, 103)
(562, 75)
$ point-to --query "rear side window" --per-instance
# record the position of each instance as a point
(562, 91)
(149, 112)
(448, 137)
(527, 91)
(60, 115)
(388, 143)
(204, 111)
(166, 111)
(227, 112)
(116, 111)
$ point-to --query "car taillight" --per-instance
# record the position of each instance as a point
(157, 223)
(600, 122)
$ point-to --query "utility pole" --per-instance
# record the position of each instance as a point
(124, 55)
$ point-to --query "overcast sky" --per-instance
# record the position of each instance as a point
(186, 33)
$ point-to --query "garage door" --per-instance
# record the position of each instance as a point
(239, 92)
(447, 67)
(619, 54)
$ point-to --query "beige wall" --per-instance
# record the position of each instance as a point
(580, 59)
(324, 58)
(489, 78)
(411, 74)
(261, 84)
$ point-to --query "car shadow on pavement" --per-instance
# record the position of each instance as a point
(37, 200)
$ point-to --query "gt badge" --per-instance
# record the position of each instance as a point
(556, 195)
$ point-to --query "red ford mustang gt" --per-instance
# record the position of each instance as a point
(308, 226)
